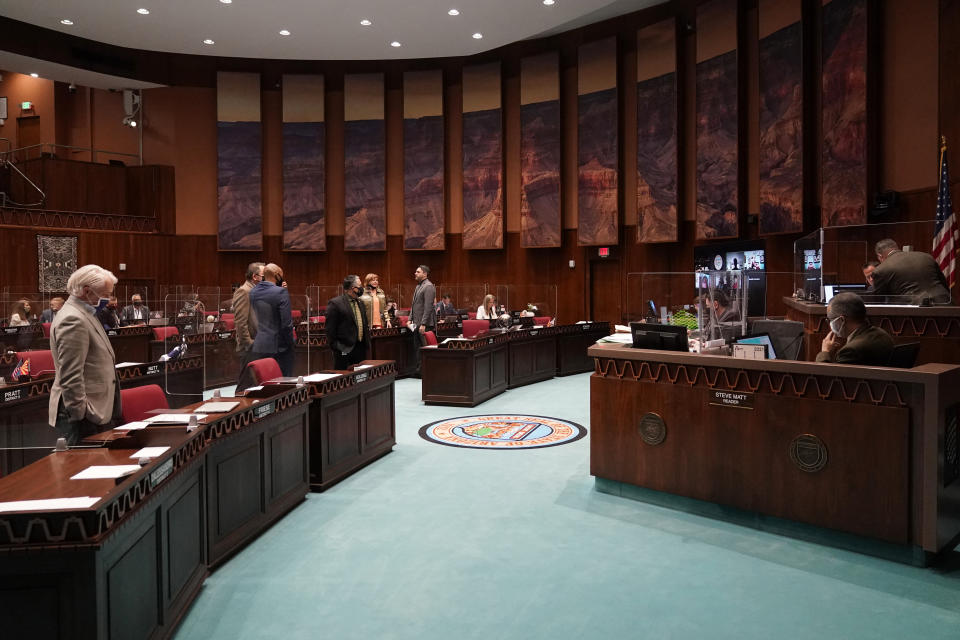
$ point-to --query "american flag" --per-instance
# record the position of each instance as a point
(945, 236)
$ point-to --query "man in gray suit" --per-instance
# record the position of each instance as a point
(908, 273)
(245, 323)
(85, 394)
(135, 313)
(423, 311)
(865, 344)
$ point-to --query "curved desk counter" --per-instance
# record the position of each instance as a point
(868, 452)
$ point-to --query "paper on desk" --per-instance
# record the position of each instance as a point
(618, 338)
(621, 328)
(149, 452)
(455, 340)
(48, 504)
(126, 364)
(216, 407)
(320, 377)
(133, 426)
(257, 388)
(99, 472)
(171, 418)
(362, 366)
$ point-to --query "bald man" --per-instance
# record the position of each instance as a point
(270, 301)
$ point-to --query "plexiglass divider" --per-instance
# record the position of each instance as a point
(465, 297)
(538, 299)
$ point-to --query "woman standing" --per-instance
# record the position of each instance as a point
(376, 302)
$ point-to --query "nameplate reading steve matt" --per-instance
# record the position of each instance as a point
(739, 399)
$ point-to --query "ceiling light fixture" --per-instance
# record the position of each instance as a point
(66, 21)
(453, 12)
(284, 32)
(34, 75)
(226, 1)
(208, 41)
(477, 36)
(394, 44)
(365, 22)
(549, 3)
(143, 12)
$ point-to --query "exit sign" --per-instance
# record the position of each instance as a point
(26, 106)
(603, 252)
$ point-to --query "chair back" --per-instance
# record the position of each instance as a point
(296, 314)
(264, 369)
(904, 356)
(46, 328)
(229, 324)
(472, 327)
(137, 401)
(40, 361)
(162, 333)
(402, 321)
(541, 321)
(431, 338)
(320, 319)
(786, 336)
(472, 315)
(227, 316)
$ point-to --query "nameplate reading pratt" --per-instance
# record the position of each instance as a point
(10, 396)
(738, 399)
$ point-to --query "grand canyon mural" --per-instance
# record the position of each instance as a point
(365, 167)
(657, 133)
(304, 177)
(781, 128)
(597, 138)
(423, 177)
(844, 118)
(239, 152)
(540, 151)
(717, 197)
(482, 158)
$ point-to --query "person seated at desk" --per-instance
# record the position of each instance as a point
(445, 307)
(488, 310)
(908, 273)
(726, 312)
(192, 305)
(136, 312)
(107, 315)
(50, 313)
(868, 268)
(21, 315)
(865, 344)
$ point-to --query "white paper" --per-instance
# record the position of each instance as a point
(216, 407)
(133, 426)
(99, 472)
(257, 388)
(455, 340)
(620, 328)
(126, 364)
(172, 418)
(320, 377)
(618, 338)
(149, 452)
(49, 504)
(362, 366)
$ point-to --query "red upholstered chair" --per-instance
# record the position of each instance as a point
(320, 319)
(402, 321)
(472, 327)
(40, 361)
(227, 316)
(264, 369)
(472, 315)
(163, 333)
(431, 338)
(136, 402)
(46, 329)
(229, 324)
(296, 314)
(541, 321)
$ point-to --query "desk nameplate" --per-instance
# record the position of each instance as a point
(735, 399)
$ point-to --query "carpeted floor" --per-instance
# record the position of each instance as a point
(433, 541)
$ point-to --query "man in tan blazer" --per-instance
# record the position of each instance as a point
(86, 393)
(245, 323)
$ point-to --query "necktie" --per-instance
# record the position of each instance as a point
(359, 318)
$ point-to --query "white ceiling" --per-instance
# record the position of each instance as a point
(320, 29)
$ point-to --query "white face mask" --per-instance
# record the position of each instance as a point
(836, 325)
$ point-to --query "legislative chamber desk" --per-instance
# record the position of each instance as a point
(218, 348)
(352, 419)
(936, 328)
(466, 372)
(129, 564)
(859, 457)
(25, 432)
(393, 343)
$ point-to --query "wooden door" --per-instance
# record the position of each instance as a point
(28, 134)
(605, 291)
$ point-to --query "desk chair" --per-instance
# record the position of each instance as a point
(40, 361)
(264, 369)
(135, 403)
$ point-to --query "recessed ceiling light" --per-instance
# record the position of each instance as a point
(34, 75)
(66, 21)
(143, 11)
(284, 32)
(208, 41)
(453, 12)
(365, 22)
(226, 1)
(477, 36)
(549, 3)
(394, 44)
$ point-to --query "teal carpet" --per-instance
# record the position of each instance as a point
(438, 542)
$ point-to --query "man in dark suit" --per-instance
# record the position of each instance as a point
(346, 323)
(136, 312)
(49, 314)
(423, 313)
(107, 315)
(445, 307)
(865, 344)
(908, 273)
(271, 303)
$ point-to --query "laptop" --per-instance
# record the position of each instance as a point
(762, 339)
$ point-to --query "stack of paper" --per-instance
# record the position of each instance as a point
(216, 407)
(101, 472)
(171, 418)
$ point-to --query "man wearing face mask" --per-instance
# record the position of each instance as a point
(245, 322)
(85, 394)
(270, 301)
(136, 312)
(865, 344)
(107, 314)
(346, 325)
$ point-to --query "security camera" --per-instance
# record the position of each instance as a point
(72, 88)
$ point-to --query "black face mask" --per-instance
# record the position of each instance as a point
(279, 282)
(358, 290)
(137, 303)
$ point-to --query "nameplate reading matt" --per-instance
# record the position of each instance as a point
(738, 399)
(262, 410)
(152, 369)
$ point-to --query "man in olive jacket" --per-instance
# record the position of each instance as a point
(865, 344)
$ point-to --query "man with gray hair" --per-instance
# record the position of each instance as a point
(908, 273)
(85, 394)
(865, 344)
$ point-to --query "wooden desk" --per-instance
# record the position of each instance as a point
(937, 328)
(132, 344)
(857, 450)
(532, 356)
(573, 340)
(397, 344)
(312, 352)
(23, 338)
(217, 349)
(130, 565)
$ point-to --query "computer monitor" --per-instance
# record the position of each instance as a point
(663, 337)
(760, 338)
(828, 293)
